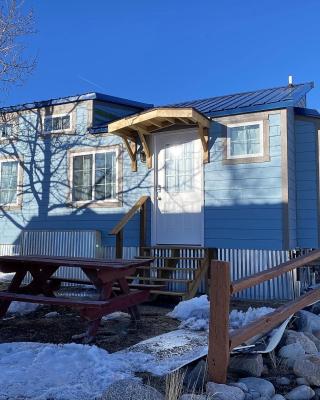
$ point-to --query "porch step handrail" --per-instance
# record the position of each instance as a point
(117, 231)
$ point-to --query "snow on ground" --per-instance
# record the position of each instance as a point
(6, 277)
(62, 372)
(21, 308)
(194, 314)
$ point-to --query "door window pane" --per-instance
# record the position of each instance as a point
(82, 178)
(8, 182)
(179, 166)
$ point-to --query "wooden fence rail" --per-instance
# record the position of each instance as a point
(220, 341)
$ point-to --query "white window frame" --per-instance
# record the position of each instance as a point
(93, 152)
(5, 160)
(260, 154)
(2, 138)
(57, 116)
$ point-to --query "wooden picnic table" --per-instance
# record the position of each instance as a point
(104, 275)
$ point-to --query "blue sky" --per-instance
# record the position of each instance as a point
(170, 50)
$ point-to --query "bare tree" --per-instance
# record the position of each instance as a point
(16, 25)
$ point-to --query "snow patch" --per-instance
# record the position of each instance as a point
(21, 308)
(115, 316)
(194, 314)
(52, 314)
(62, 372)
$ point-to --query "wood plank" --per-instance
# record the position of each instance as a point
(52, 300)
(132, 151)
(204, 137)
(121, 224)
(17, 262)
(219, 344)
(166, 279)
(158, 113)
(145, 146)
(271, 273)
(269, 321)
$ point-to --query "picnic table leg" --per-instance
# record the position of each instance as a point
(41, 281)
(13, 287)
(134, 310)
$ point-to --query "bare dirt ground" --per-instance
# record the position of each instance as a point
(112, 336)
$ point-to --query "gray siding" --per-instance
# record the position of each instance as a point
(306, 183)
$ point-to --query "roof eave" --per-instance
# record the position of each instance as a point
(248, 110)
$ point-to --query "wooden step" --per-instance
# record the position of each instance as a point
(172, 247)
(85, 282)
(166, 269)
(167, 258)
(172, 280)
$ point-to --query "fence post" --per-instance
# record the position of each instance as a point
(219, 342)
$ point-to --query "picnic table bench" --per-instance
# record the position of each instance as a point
(104, 275)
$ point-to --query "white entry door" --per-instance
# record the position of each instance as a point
(178, 215)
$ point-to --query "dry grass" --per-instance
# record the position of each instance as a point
(174, 385)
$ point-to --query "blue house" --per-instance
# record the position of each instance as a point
(236, 171)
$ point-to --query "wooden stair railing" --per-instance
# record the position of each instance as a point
(117, 231)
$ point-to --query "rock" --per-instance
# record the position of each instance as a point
(291, 352)
(52, 314)
(293, 337)
(308, 322)
(315, 308)
(248, 364)
(308, 367)
(283, 381)
(224, 392)
(302, 381)
(195, 379)
(240, 385)
(315, 340)
(300, 393)
(129, 389)
(264, 387)
(194, 397)
(317, 392)
(278, 397)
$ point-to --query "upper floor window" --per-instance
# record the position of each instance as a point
(245, 140)
(8, 182)
(57, 123)
(95, 176)
(6, 130)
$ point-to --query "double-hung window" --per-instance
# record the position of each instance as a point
(245, 140)
(6, 130)
(9, 182)
(95, 176)
(57, 123)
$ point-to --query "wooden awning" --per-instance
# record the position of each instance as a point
(140, 126)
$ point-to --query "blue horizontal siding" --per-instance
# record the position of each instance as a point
(243, 202)
(306, 184)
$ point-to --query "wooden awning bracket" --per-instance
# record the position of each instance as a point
(142, 132)
(204, 136)
(131, 146)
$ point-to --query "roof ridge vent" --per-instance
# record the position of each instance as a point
(290, 80)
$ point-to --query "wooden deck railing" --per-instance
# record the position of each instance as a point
(221, 342)
(117, 231)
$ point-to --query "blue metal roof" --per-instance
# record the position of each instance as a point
(259, 100)
(76, 98)
(307, 112)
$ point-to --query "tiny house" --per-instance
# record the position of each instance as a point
(236, 171)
